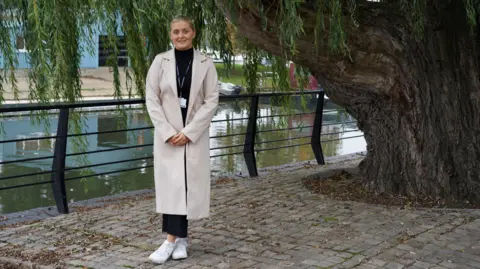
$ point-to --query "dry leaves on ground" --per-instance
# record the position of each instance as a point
(348, 187)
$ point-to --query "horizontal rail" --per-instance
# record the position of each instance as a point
(27, 175)
(284, 129)
(228, 135)
(27, 139)
(333, 110)
(106, 150)
(228, 147)
(151, 157)
(283, 139)
(270, 94)
(336, 139)
(25, 185)
(114, 131)
(100, 103)
(84, 104)
(142, 128)
(339, 123)
(235, 119)
(108, 163)
(282, 147)
(285, 115)
(349, 131)
(74, 135)
(226, 154)
(137, 146)
(27, 160)
(110, 172)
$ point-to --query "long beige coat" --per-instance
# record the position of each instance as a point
(164, 109)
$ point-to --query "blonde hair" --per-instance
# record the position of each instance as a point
(185, 19)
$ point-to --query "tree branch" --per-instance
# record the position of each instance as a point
(369, 66)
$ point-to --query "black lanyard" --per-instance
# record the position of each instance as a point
(183, 79)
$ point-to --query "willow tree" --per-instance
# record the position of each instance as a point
(406, 70)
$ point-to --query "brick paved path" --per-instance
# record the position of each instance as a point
(269, 222)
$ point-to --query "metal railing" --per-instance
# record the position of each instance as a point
(59, 169)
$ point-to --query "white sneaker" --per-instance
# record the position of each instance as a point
(162, 254)
(180, 251)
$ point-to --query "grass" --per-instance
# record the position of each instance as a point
(236, 76)
(327, 219)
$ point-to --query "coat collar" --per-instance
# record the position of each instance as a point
(199, 70)
(197, 55)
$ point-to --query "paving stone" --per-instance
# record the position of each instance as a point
(286, 264)
(354, 261)
(377, 262)
(310, 262)
(449, 264)
(423, 264)
(324, 264)
(366, 266)
(271, 221)
(393, 265)
(335, 259)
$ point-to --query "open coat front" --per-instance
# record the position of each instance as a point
(164, 109)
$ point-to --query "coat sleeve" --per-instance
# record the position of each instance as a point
(154, 104)
(203, 117)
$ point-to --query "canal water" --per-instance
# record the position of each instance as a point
(337, 124)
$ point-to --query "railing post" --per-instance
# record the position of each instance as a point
(58, 177)
(249, 146)
(317, 130)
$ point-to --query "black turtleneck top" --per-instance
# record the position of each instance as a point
(184, 61)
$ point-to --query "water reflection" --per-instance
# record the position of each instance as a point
(12, 200)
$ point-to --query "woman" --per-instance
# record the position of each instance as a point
(181, 98)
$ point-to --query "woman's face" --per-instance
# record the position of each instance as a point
(182, 35)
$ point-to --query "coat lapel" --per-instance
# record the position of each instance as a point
(170, 70)
(199, 70)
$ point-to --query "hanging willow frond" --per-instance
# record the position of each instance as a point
(251, 61)
(6, 46)
(472, 8)
(59, 33)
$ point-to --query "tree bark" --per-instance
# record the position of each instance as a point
(416, 100)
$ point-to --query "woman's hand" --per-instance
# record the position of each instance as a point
(179, 140)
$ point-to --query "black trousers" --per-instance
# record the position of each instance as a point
(177, 225)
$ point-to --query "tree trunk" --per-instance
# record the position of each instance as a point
(417, 101)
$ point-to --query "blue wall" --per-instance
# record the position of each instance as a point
(89, 58)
